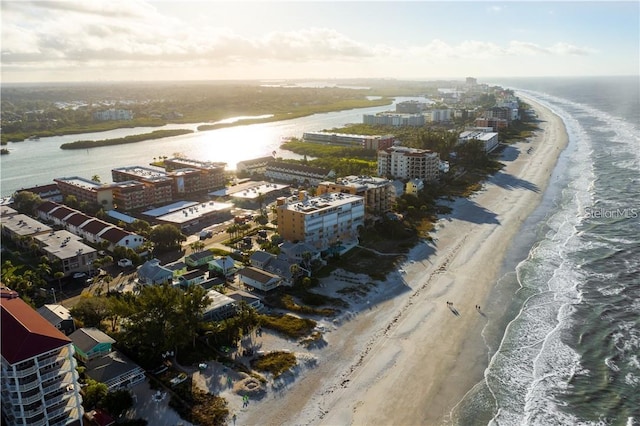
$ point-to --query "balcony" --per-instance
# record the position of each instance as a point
(34, 412)
(56, 413)
(23, 387)
(23, 372)
(55, 386)
(13, 400)
(51, 375)
(41, 422)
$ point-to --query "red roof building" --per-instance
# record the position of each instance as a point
(39, 377)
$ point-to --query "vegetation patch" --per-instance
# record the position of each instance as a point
(313, 339)
(288, 325)
(355, 290)
(199, 407)
(286, 301)
(363, 261)
(156, 134)
(275, 363)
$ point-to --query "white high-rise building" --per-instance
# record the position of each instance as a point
(39, 377)
(401, 162)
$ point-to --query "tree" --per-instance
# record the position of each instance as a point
(119, 306)
(197, 246)
(58, 276)
(294, 269)
(140, 227)
(91, 311)
(93, 393)
(166, 237)
(72, 201)
(472, 154)
(117, 402)
(96, 178)
(164, 319)
(261, 200)
(193, 303)
(26, 202)
(232, 231)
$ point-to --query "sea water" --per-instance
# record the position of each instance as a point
(567, 349)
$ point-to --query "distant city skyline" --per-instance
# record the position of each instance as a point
(56, 41)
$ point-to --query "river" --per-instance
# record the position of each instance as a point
(32, 163)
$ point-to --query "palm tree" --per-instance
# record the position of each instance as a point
(58, 276)
(295, 271)
(44, 269)
(261, 203)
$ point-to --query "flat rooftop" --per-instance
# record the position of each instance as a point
(63, 244)
(360, 181)
(249, 190)
(194, 211)
(476, 134)
(22, 225)
(143, 172)
(350, 135)
(198, 164)
(324, 201)
(80, 182)
(169, 208)
(217, 300)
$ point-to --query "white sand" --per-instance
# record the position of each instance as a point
(405, 358)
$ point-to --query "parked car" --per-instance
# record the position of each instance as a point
(79, 275)
(206, 234)
(178, 379)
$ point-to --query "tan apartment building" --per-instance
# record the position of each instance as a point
(210, 175)
(378, 193)
(138, 187)
(86, 190)
(321, 221)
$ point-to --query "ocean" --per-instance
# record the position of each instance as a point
(567, 351)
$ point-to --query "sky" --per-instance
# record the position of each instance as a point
(135, 40)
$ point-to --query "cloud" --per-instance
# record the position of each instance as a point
(86, 34)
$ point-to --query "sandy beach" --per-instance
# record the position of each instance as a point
(403, 355)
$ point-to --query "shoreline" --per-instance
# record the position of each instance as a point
(409, 358)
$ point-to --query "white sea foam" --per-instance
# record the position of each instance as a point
(612, 365)
(532, 362)
(632, 379)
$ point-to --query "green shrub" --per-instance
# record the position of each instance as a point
(275, 363)
(288, 325)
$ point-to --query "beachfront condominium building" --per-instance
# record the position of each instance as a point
(489, 140)
(255, 166)
(378, 193)
(297, 173)
(438, 115)
(321, 221)
(401, 162)
(393, 119)
(207, 177)
(345, 139)
(39, 377)
(86, 190)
